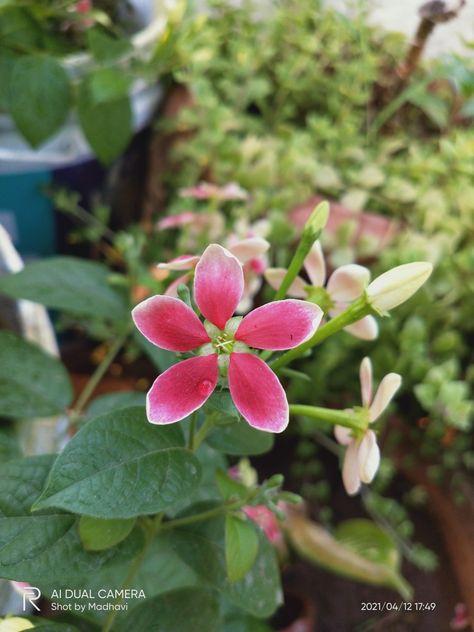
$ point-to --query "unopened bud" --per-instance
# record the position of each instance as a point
(397, 285)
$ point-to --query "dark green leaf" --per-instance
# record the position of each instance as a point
(39, 97)
(115, 401)
(33, 547)
(107, 126)
(98, 534)
(241, 547)
(69, 284)
(186, 610)
(202, 547)
(32, 383)
(240, 439)
(109, 84)
(9, 446)
(104, 47)
(120, 466)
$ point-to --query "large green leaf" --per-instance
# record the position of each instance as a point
(115, 401)
(240, 439)
(202, 547)
(98, 534)
(244, 623)
(69, 284)
(39, 97)
(32, 383)
(186, 610)
(33, 547)
(120, 466)
(107, 126)
(241, 546)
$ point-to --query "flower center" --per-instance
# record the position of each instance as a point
(223, 343)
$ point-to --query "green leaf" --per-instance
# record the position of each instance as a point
(120, 466)
(109, 84)
(33, 547)
(244, 623)
(69, 284)
(229, 488)
(241, 547)
(39, 97)
(32, 383)
(186, 610)
(107, 126)
(98, 534)
(104, 47)
(9, 445)
(161, 358)
(115, 401)
(369, 540)
(240, 439)
(202, 547)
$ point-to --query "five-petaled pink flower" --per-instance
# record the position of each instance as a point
(223, 345)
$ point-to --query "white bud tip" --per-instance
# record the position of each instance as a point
(397, 285)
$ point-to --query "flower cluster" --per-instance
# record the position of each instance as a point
(222, 345)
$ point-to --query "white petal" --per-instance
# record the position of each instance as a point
(366, 328)
(343, 435)
(366, 380)
(275, 276)
(350, 469)
(385, 392)
(247, 249)
(348, 282)
(397, 285)
(315, 265)
(369, 457)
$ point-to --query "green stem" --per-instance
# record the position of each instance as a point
(152, 528)
(201, 434)
(97, 376)
(206, 515)
(311, 233)
(192, 430)
(357, 310)
(337, 417)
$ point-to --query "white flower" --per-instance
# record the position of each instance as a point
(362, 457)
(344, 285)
(397, 285)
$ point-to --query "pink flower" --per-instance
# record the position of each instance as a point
(208, 191)
(362, 457)
(176, 221)
(250, 252)
(461, 619)
(267, 521)
(83, 6)
(343, 286)
(223, 345)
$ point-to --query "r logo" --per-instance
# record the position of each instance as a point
(31, 594)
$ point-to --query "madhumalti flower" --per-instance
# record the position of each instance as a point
(343, 287)
(222, 344)
(250, 251)
(362, 457)
(394, 287)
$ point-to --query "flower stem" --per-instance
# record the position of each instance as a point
(349, 419)
(192, 430)
(357, 310)
(97, 376)
(311, 232)
(201, 434)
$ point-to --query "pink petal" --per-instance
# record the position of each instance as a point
(365, 374)
(218, 284)
(247, 249)
(169, 323)
(366, 328)
(183, 262)
(385, 392)
(172, 289)
(315, 265)
(182, 389)
(275, 276)
(174, 221)
(369, 457)
(258, 395)
(279, 325)
(348, 282)
(350, 469)
(343, 435)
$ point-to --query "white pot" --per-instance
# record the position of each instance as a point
(69, 146)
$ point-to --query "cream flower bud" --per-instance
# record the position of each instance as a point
(397, 285)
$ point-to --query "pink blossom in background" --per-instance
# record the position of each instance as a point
(461, 620)
(223, 345)
(267, 521)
